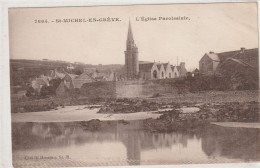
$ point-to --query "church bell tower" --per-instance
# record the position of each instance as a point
(131, 56)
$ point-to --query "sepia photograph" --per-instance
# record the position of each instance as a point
(128, 85)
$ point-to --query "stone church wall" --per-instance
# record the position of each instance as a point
(144, 88)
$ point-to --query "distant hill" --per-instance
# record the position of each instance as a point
(23, 71)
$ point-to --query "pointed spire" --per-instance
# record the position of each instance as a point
(130, 34)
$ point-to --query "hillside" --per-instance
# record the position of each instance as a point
(23, 71)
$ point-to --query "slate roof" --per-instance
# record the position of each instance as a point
(249, 56)
(81, 79)
(196, 70)
(159, 66)
(77, 83)
(165, 65)
(144, 62)
(173, 67)
(73, 76)
(85, 76)
(146, 67)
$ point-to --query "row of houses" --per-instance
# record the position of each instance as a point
(71, 81)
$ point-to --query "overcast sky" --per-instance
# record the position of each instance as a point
(212, 27)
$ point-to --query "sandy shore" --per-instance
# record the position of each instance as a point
(237, 124)
(77, 113)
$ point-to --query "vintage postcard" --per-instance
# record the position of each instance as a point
(134, 85)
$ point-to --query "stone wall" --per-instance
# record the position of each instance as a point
(105, 89)
(149, 88)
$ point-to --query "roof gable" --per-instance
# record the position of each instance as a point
(213, 56)
(160, 66)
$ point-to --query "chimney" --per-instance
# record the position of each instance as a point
(242, 49)
(211, 52)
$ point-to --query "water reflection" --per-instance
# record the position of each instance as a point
(127, 144)
(239, 143)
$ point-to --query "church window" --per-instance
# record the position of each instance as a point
(162, 75)
(154, 74)
(170, 75)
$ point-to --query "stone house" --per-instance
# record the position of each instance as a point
(71, 82)
(211, 61)
(38, 83)
(103, 76)
(182, 70)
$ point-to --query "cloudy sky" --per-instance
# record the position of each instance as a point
(212, 27)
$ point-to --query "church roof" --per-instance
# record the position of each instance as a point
(172, 67)
(146, 67)
(159, 66)
(165, 65)
(130, 34)
(144, 62)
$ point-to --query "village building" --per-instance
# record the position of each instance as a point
(71, 82)
(54, 74)
(135, 69)
(103, 76)
(70, 67)
(195, 73)
(210, 62)
(38, 83)
(182, 69)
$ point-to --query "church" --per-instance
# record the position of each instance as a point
(135, 69)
